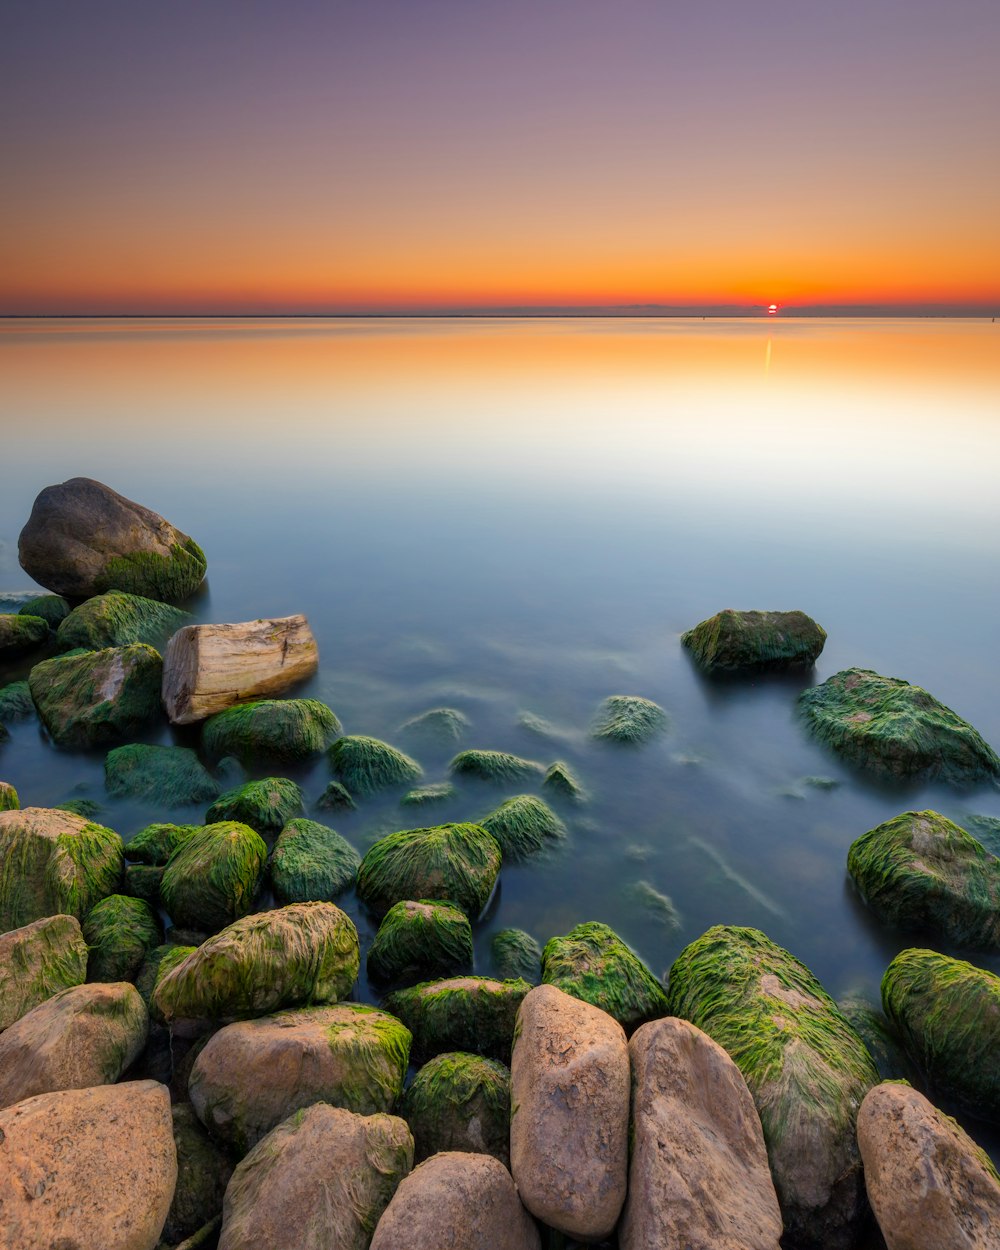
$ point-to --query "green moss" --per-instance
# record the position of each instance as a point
(37, 961)
(461, 1102)
(474, 1014)
(15, 702)
(495, 766)
(90, 808)
(516, 954)
(452, 863)
(117, 620)
(366, 765)
(120, 932)
(628, 719)
(282, 730)
(524, 826)
(419, 940)
(896, 730)
(561, 783)
(99, 697)
(155, 843)
(143, 881)
(53, 609)
(336, 798)
(441, 728)
(593, 964)
(172, 776)
(213, 877)
(158, 962)
(311, 862)
(21, 633)
(657, 905)
(266, 805)
(9, 802)
(753, 642)
(172, 578)
(422, 796)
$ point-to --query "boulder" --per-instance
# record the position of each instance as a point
(118, 620)
(120, 933)
(336, 798)
(867, 1019)
(516, 954)
(87, 1168)
(208, 668)
(755, 642)
(570, 1113)
(321, 1178)
(9, 802)
(424, 796)
(524, 826)
(366, 765)
(593, 964)
(53, 609)
(475, 1014)
(83, 538)
(495, 766)
(214, 875)
(99, 697)
(285, 731)
(143, 881)
(311, 862)
(266, 805)
(19, 634)
(452, 863)
(418, 940)
(560, 782)
(459, 1101)
(628, 720)
(37, 961)
(167, 776)
(154, 844)
(698, 1173)
(439, 729)
(16, 702)
(203, 1172)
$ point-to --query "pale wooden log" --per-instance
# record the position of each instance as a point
(208, 668)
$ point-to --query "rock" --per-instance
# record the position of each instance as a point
(213, 877)
(867, 1020)
(570, 1119)
(120, 933)
(285, 731)
(474, 1014)
(441, 728)
(53, 609)
(461, 1102)
(896, 730)
(516, 954)
(158, 962)
(804, 1065)
(54, 863)
(420, 940)
(456, 1200)
(87, 1168)
(100, 697)
(561, 782)
(83, 538)
(421, 796)
(171, 776)
(928, 1182)
(920, 871)
(90, 809)
(37, 961)
(155, 843)
(629, 719)
(451, 863)
(253, 1074)
(593, 964)
(366, 765)
(755, 642)
(311, 862)
(208, 668)
(524, 826)
(947, 1013)
(698, 1174)
(304, 953)
(15, 702)
(336, 798)
(203, 1172)
(322, 1178)
(658, 906)
(87, 1035)
(118, 620)
(985, 829)
(266, 805)
(495, 766)
(9, 802)
(21, 633)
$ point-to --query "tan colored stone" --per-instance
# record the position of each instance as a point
(698, 1175)
(207, 668)
(456, 1201)
(929, 1184)
(87, 1169)
(37, 961)
(78, 1038)
(570, 1100)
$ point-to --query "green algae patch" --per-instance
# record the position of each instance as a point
(495, 766)
(285, 731)
(593, 964)
(19, 634)
(896, 730)
(921, 871)
(98, 697)
(158, 962)
(37, 961)
(336, 798)
(426, 796)
(90, 808)
(9, 802)
(116, 620)
(170, 577)
(524, 826)
(16, 702)
(947, 1013)
(455, 863)
(143, 881)
(303, 954)
(155, 843)
(266, 805)
(516, 954)
(562, 783)
(53, 609)
(213, 877)
(172, 776)
(629, 720)
(120, 932)
(367, 765)
(755, 642)
(311, 862)
(459, 1101)
(419, 940)
(475, 1014)
(441, 728)
(805, 1066)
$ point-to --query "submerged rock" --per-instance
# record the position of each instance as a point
(311, 862)
(283, 730)
(154, 844)
(593, 964)
(418, 940)
(53, 609)
(118, 620)
(16, 702)
(657, 905)
(99, 697)
(495, 766)
(19, 634)
(267, 805)
(120, 933)
(459, 1101)
(561, 782)
(868, 1021)
(441, 727)
(213, 877)
(629, 719)
(474, 1014)
(203, 1172)
(421, 796)
(516, 954)
(523, 826)
(172, 776)
(336, 798)
(37, 961)
(366, 765)
(452, 863)
(754, 642)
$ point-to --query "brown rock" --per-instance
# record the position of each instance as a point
(456, 1201)
(87, 1169)
(929, 1184)
(698, 1175)
(37, 961)
(569, 1127)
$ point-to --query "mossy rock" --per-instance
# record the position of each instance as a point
(90, 808)
(495, 766)
(19, 634)
(755, 642)
(37, 961)
(336, 798)
(441, 728)
(459, 1101)
(281, 730)
(173, 577)
(658, 906)
(418, 940)
(214, 875)
(629, 720)
(154, 844)
(366, 765)
(562, 783)
(450, 863)
(868, 1021)
(424, 796)
(947, 1014)
(172, 776)
(54, 863)
(516, 954)
(266, 805)
(896, 730)
(53, 609)
(305, 953)
(120, 932)
(9, 802)
(311, 863)
(475, 1014)
(203, 1172)
(593, 964)
(921, 871)
(524, 826)
(158, 962)
(16, 702)
(116, 620)
(805, 1066)
(143, 881)
(100, 697)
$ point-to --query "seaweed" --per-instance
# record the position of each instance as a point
(658, 905)
(9, 802)
(281, 730)
(419, 940)
(120, 932)
(15, 702)
(495, 766)
(593, 964)
(422, 796)
(455, 863)
(459, 1101)
(19, 634)
(98, 697)
(173, 776)
(117, 620)
(366, 765)
(475, 1014)
(37, 961)
(154, 844)
(516, 954)
(524, 826)
(311, 862)
(170, 577)
(266, 805)
(53, 609)
(143, 881)
(213, 877)
(629, 720)
(441, 728)
(336, 798)
(737, 642)
(561, 782)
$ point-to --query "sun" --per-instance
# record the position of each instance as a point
(772, 309)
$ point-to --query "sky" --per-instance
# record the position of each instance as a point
(423, 155)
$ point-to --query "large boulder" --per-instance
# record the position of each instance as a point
(21, 633)
(469, 1013)
(418, 940)
(285, 731)
(266, 805)
(203, 1172)
(593, 964)
(755, 642)
(83, 538)
(366, 765)
(154, 844)
(37, 961)
(97, 698)
(452, 863)
(87, 1168)
(120, 933)
(698, 1173)
(459, 1101)
(213, 877)
(570, 1113)
(321, 1178)
(896, 730)
(804, 1065)
(118, 620)
(171, 776)
(311, 862)
(629, 720)
(524, 826)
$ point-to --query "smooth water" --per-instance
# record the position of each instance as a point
(510, 516)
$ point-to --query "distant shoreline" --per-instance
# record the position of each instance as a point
(507, 314)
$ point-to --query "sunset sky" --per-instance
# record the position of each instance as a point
(394, 155)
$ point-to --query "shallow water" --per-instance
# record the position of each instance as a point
(523, 516)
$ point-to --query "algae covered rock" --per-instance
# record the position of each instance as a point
(158, 962)
(266, 805)
(213, 877)
(366, 765)
(418, 940)
(154, 844)
(53, 609)
(805, 1066)
(311, 862)
(16, 703)
(561, 783)
(117, 620)
(459, 1101)
(593, 964)
(896, 730)
(423, 796)
(467, 1013)
(516, 954)
(495, 766)
(524, 826)
(98, 697)
(754, 642)
(37, 961)
(173, 776)
(120, 933)
(867, 1019)
(19, 634)
(453, 863)
(9, 802)
(283, 730)
(921, 871)
(336, 798)
(629, 719)
(441, 727)
(203, 1172)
